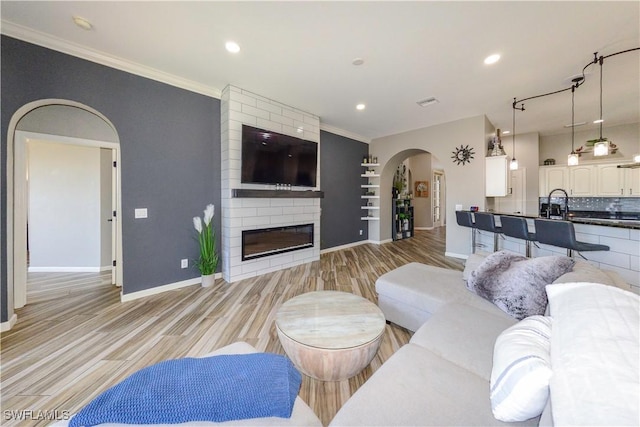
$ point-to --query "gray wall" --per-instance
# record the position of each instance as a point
(340, 180)
(170, 147)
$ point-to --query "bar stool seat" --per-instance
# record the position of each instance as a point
(486, 221)
(563, 235)
(517, 228)
(465, 219)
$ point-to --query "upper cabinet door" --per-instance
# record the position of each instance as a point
(496, 176)
(581, 181)
(610, 180)
(632, 182)
(555, 177)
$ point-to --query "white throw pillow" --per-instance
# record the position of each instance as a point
(595, 354)
(521, 370)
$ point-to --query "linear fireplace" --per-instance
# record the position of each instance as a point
(271, 241)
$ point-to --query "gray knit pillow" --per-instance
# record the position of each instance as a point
(515, 284)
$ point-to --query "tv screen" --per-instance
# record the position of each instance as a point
(272, 158)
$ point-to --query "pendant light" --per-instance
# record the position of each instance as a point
(514, 163)
(601, 146)
(572, 159)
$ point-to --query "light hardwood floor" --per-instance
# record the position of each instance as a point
(73, 341)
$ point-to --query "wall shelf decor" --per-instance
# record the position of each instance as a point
(371, 190)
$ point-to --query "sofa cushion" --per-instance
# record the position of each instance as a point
(515, 284)
(521, 370)
(418, 388)
(472, 262)
(464, 335)
(585, 272)
(421, 285)
(595, 355)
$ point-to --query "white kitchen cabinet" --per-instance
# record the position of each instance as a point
(496, 176)
(632, 182)
(582, 180)
(552, 177)
(610, 180)
(602, 180)
(618, 182)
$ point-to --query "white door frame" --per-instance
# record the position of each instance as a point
(17, 200)
(439, 188)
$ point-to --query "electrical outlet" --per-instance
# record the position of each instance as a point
(361, 232)
(184, 263)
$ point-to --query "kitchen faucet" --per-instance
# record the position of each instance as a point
(565, 211)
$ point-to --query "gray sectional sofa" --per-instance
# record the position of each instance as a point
(442, 376)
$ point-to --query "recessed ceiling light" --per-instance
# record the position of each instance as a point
(360, 107)
(428, 101)
(506, 132)
(232, 47)
(492, 59)
(82, 23)
(357, 61)
(598, 121)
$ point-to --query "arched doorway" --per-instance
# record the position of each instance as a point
(70, 123)
(420, 166)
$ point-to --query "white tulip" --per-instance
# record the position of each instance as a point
(197, 223)
(208, 214)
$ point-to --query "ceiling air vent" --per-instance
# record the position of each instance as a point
(428, 101)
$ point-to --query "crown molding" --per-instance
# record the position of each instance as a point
(345, 133)
(55, 43)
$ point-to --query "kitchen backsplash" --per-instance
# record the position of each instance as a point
(598, 204)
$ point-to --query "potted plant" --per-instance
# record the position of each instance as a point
(404, 219)
(208, 260)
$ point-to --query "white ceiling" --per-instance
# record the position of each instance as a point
(301, 53)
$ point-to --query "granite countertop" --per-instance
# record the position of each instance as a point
(620, 223)
(580, 217)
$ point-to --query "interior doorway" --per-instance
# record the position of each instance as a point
(438, 199)
(514, 202)
(70, 204)
(38, 121)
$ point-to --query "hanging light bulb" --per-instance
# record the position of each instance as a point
(601, 146)
(514, 163)
(572, 159)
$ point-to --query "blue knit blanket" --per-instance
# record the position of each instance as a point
(217, 388)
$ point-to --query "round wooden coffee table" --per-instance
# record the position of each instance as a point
(330, 335)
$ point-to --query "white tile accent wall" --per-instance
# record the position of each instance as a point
(622, 257)
(240, 107)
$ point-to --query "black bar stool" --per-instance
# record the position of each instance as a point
(516, 227)
(464, 219)
(563, 235)
(486, 221)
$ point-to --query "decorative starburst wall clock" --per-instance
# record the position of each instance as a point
(462, 154)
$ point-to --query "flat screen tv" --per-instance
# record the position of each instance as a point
(272, 158)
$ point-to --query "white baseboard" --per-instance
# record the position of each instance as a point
(455, 255)
(106, 268)
(160, 289)
(65, 269)
(348, 245)
(6, 326)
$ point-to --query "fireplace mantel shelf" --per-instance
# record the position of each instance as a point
(276, 194)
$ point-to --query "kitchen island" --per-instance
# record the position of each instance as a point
(622, 236)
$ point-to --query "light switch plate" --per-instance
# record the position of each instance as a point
(141, 213)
